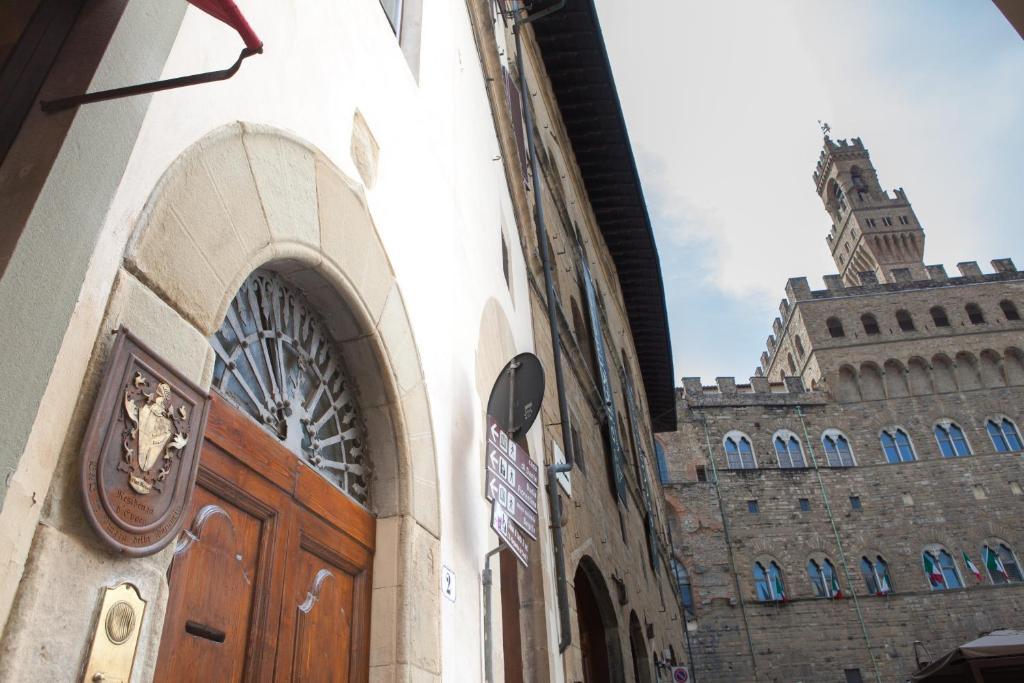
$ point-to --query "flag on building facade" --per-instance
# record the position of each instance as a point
(884, 588)
(837, 592)
(780, 592)
(994, 564)
(932, 570)
(971, 566)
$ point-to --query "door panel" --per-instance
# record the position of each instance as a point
(271, 577)
(222, 579)
(324, 621)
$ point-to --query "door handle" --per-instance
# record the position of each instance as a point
(198, 630)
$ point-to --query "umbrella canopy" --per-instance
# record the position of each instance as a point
(997, 657)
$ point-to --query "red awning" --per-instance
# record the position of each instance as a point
(228, 12)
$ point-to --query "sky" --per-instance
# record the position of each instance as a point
(722, 101)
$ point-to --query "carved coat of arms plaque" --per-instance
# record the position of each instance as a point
(140, 453)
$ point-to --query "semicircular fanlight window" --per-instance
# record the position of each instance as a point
(277, 362)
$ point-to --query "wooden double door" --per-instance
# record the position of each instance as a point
(271, 577)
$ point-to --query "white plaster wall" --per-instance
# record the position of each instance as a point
(439, 201)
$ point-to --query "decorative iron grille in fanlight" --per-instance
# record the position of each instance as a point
(277, 362)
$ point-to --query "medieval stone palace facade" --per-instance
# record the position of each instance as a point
(829, 516)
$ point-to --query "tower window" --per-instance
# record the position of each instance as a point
(702, 473)
(870, 323)
(904, 220)
(792, 365)
(871, 222)
(1009, 310)
(752, 507)
(738, 453)
(905, 321)
(939, 316)
(805, 505)
(799, 346)
(886, 220)
(855, 503)
(835, 327)
(974, 314)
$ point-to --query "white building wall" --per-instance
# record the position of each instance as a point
(439, 202)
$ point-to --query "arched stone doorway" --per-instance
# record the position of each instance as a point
(598, 629)
(246, 198)
(638, 650)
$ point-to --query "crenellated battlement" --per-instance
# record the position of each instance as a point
(798, 290)
(759, 391)
(834, 149)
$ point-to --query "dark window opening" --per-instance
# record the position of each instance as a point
(752, 507)
(855, 503)
(853, 676)
(939, 316)
(870, 323)
(905, 321)
(805, 505)
(974, 314)
(1009, 310)
(702, 473)
(835, 327)
(504, 261)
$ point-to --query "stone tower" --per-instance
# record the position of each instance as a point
(874, 237)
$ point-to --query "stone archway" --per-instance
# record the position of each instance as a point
(598, 628)
(247, 197)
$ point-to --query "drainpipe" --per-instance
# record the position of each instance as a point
(839, 545)
(728, 544)
(682, 610)
(487, 582)
(561, 581)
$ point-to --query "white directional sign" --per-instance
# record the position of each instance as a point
(509, 532)
(511, 486)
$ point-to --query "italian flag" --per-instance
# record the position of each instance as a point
(994, 564)
(780, 592)
(934, 575)
(837, 592)
(971, 566)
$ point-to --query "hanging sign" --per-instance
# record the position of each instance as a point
(511, 478)
(140, 453)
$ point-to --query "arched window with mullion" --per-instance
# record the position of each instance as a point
(1004, 435)
(940, 568)
(837, 449)
(896, 445)
(1001, 563)
(739, 455)
(951, 440)
(876, 575)
(788, 449)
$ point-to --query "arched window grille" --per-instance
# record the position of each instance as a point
(768, 583)
(276, 361)
(940, 569)
(896, 445)
(876, 575)
(789, 450)
(951, 440)
(1004, 435)
(1001, 563)
(835, 327)
(738, 453)
(837, 449)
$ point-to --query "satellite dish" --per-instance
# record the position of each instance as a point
(517, 393)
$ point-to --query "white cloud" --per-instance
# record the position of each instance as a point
(722, 100)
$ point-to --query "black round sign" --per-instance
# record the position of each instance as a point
(517, 393)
